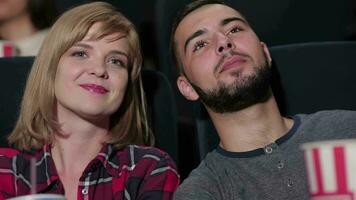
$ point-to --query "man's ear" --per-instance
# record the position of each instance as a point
(186, 89)
(266, 52)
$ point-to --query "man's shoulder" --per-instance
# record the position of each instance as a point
(329, 118)
(329, 124)
(330, 115)
(210, 166)
(203, 182)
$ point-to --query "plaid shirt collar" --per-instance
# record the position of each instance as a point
(44, 161)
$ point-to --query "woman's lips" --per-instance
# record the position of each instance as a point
(94, 88)
(232, 62)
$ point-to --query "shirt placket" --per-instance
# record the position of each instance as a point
(83, 189)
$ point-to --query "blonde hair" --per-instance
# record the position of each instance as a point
(36, 123)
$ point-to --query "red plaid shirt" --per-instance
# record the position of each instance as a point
(132, 173)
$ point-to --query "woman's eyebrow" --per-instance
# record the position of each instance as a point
(79, 44)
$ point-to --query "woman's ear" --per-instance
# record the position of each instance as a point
(186, 88)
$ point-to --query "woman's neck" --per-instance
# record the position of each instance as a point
(17, 28)
(73, 152)
(78, 141)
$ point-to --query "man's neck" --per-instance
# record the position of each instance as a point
(251, 128)
(17, 28)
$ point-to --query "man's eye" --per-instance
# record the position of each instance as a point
(79, 54)
(235, 30)
(200, 44)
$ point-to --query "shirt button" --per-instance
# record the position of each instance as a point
(280, 165)
(84, 191)
(290, 183)
(268, 149)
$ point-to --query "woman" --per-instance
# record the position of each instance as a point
(25, 23)
(83, 116)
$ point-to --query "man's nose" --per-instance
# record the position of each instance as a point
(224, 47)
(224, 44)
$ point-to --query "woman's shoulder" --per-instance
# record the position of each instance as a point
(147, 171)
(138, 153)
(7, 152)
(140, 160)
(7, 158)
(136, 157)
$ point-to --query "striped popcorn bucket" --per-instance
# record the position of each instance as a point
(331, 169)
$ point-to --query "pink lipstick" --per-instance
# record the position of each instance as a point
(94, 88)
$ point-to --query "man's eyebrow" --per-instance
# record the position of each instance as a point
(231, 19)
(190, 38)
(222, 23)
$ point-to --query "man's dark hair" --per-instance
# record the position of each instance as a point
(42, 13)
(181, 14)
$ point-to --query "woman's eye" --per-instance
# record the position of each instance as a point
(235, 30)
(200, 44)
(79, 54)
(117, 62)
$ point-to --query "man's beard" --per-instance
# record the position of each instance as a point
(241, 94)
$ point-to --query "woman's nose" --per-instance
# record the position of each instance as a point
(99, 69)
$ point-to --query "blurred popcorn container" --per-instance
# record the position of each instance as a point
(40, 197)
(331, 169)
(7, 49)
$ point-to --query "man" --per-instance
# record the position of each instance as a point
(225, 65)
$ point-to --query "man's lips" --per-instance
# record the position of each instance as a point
(232, 62)
(94, 88)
